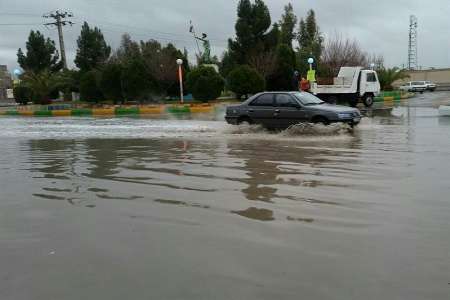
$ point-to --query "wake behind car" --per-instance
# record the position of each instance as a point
(279, 110)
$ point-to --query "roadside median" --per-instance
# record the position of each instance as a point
(393, 96)
(105, 111)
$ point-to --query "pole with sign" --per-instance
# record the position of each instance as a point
(180, 78)
(311, 76)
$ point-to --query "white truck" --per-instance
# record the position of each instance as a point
(351, 85)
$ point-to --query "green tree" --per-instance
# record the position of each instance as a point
(92, 49)
(41, 54)
(22, 94)
(281, 78)
(287, 25)
(128, 49)
(41, 85)
(89, 87)
(205, 83)
(310, 42)
(251, 28)
(388, 76)
(244, 80)
(136, 82)
(227, 64)
(111, 82)
(162, 67)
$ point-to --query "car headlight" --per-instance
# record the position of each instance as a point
(345, 115)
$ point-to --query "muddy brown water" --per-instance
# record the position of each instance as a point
(195, 209)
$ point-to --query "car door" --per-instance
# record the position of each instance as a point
(288, 111)
(261, 110)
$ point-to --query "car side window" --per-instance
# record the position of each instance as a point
(284, 100)
(371, 77)
(263, 100)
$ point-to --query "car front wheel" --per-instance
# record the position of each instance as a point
(244, 120)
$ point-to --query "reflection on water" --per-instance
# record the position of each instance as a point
(256, 214)
(270, 215)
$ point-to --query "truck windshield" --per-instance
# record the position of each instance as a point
(308, 99)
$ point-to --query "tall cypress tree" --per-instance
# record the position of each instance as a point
(287, 24)
(92, 49)
(251, 28)
(310, 41)
(41, 54)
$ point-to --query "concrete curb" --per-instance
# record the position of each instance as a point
(111, 111)
(393, 96)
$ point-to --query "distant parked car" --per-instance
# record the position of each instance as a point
(431, 86)
(283, 109)
(414, 86)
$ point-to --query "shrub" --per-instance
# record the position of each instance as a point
(244, 80)
(205, 83)
(89, 87)
(22, 94)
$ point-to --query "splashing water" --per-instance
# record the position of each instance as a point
(301, 129)
(317, 129)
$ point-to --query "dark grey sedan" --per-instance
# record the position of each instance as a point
(283, 109)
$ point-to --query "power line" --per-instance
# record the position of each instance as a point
(20, 14)
(60, 21)
(19, 24)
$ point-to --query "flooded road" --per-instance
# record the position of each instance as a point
(196, 209)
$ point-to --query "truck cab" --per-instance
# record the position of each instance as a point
(353, 84)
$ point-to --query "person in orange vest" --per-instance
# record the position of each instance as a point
(304, 85)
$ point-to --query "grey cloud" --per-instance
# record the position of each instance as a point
(379, 26)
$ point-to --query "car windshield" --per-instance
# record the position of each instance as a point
(308, 99)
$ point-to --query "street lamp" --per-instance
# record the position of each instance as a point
(310, 62)
(180, 78)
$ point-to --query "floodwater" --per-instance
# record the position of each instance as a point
(131, 208)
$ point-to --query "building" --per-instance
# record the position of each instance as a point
(439, 76)
(5, 82)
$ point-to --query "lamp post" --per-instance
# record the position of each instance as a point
(180, 78)
(310, 62)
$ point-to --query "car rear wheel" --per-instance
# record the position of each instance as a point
(320, 120)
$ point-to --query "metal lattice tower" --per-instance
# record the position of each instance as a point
(412, 49)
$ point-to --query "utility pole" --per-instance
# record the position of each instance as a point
(59, 23)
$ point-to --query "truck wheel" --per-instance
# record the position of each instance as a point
(368, 100)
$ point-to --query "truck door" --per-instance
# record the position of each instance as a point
(370, 83)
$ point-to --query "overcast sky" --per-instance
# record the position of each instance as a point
(380, 26)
